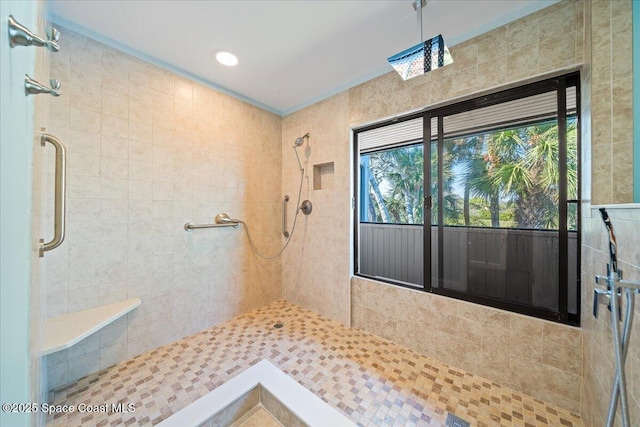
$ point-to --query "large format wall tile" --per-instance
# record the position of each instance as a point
(520, 352)
(148, 152)
(495, 344)
(598, 355)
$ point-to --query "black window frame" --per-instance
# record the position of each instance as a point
(558, 84)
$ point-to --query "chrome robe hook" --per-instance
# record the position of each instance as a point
(19, 35)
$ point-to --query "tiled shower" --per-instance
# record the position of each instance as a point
(150, 150)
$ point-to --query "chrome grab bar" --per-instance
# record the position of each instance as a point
(189, 226)
(285, 199)
(60, 194)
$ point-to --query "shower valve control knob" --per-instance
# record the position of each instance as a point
(306, 207)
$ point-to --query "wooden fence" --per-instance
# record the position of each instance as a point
(512, 265)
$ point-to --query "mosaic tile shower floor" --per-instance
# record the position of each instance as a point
(373, 381)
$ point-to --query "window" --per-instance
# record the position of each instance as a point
(497, 220)
(393, 186)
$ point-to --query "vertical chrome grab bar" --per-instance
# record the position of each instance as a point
(285, 199)
(60, 194)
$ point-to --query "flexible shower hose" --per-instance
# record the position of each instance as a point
(293, 228)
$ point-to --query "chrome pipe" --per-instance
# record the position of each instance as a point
(621, 388)
(628, 322)
(614, 277)
(285, 199)
(60, 194)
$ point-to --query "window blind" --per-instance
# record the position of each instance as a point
(390, 136)
(507, 114)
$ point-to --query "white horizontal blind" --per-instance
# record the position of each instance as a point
(389, 136)
(536, 107)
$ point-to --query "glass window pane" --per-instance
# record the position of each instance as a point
(495, 201)
(500, 210)
(392, 186)
(506, 178)
(391, 214)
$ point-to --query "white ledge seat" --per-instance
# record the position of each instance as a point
(64, 331)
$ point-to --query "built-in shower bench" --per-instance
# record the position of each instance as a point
(64, 331)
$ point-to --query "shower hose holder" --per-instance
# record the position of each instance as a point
(612, 294)
(615, 285)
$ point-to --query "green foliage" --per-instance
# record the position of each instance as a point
(400, 174)
(504, 178)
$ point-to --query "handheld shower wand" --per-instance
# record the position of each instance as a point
(613, 244)
(305, 208)
(615, 284)
(298, 143)
(300, 140)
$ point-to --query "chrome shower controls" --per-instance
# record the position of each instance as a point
(615, 287)
(306, 207)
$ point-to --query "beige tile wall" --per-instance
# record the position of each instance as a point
(537, 357)
(316, 271)
(543, 42)
(142, 141)
(610, 135)
(598, 358)
(316, 265)
(149, 151)
(612, 110)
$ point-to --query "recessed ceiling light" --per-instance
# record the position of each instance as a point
(226, 58)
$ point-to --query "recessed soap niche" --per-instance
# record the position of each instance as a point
(323, 176)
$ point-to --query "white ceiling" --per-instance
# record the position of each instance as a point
(292, 53)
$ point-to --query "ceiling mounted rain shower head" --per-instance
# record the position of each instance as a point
(426, 56)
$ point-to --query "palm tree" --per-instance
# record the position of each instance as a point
(467, 153)
(519, 165)
(515, 169)
(378, 211)
(450, 200)
(403, 170)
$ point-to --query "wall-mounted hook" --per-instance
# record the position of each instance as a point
(19, 35)
(32, 87)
